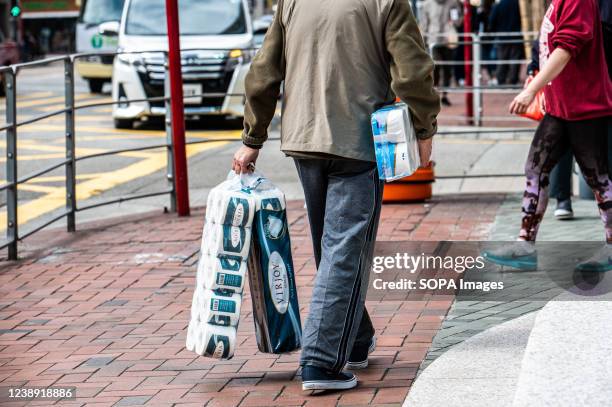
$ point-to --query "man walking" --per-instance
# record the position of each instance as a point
(340, 61)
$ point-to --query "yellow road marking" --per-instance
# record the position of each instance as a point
(130, 133)
(60, 120)
(58, 100)
(30, 96)
(35, 95)
(61, 106)
(103, 109)
(35, 157)
(58, 178)
(80, 151)
(39, 188)
(56, 199)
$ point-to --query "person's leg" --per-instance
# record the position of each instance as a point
(561, 186)
(313, 175)
(516, 53)
(437, 56)
(459, 69)
(448, 69)
(561, 178)
(589, 141)
(503, 52)
(549, 144)
(446, 55)
(354, 194)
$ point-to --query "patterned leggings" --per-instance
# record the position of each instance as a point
(588, 140)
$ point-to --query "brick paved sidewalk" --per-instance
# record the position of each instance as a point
(106, 310)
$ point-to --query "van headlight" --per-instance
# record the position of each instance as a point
(134, 60)
(239, 56)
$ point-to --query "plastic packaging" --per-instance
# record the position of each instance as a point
(535, 111)
(226, 273)
(395, 142)
(213, 341)
(246, 229)
(276, 311)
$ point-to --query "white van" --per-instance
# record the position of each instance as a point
(96, 70)
(214, 36)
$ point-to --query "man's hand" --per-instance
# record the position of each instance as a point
(521, 103)
(425, 148)
(243, 158)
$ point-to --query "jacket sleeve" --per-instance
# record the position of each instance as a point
(263, 83)
(412, 69)
(576, 23)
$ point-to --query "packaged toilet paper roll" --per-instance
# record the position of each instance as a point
(398, 126)
(220, 308)
(272, 280)
(226, 240)
(225, 273)
(215, 341)
(271, 199)
(406, 157)
(230, 208)
(395, 142)
(196, 302)
(191, 341)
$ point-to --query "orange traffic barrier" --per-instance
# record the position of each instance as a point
(415, 188)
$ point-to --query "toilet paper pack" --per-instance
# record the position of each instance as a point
(220, 308)
(271, 278)
(212, 341)
(395, 142)
(222, 272)
(231, 208)
(227, 240)
(228, 250)
(215, 307)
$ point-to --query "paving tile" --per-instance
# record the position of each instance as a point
(111, 315)
(132, 401)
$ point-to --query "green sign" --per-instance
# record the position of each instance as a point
(97, 41)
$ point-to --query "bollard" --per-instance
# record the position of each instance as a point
(178, 115)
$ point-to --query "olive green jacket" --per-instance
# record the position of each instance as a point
(340, 60)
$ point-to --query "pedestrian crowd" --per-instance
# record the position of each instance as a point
(443, 24)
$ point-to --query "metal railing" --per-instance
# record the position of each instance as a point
(476, 41)
(69, 162)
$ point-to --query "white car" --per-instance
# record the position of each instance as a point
(216, 39)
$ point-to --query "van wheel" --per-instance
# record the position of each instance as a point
(124, 124)
(96, 85)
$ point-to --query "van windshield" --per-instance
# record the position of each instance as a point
(94, 12)
(197, 17)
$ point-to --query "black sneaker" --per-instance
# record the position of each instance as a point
(314, 378)
(446, 101)
(358, 359)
